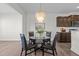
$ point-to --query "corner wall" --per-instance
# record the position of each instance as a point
(10, 26)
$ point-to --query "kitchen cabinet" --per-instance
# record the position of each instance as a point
(63, 22)
(67, 21)
(64, 37)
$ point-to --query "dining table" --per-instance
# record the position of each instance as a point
(38, 40)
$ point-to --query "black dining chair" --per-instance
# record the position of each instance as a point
(48, 34)
(31, 34)
(51, 47)
(48, 41)
(26, 47)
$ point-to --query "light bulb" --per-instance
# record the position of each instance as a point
(40, 16)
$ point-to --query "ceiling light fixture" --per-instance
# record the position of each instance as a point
(40, 15)
(77, 6)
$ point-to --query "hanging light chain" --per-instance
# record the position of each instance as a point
(40, 6)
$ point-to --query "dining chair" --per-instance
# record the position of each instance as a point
(26, 47)
(51, 47)
(31, 34)
(48, 34)
(46, 41)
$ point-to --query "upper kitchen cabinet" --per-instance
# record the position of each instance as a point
(63, 21)
(74, 19)
(68, 21)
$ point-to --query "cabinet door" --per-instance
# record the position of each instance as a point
(68, 36)
(59, 21)
(75, 17)
(63, 22)
(65, 37)
(66, 22)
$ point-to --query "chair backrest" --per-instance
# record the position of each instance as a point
(46, 41)
(55, 40)
(32, 41)
(23, 41)
(31, 34)
(48, 34)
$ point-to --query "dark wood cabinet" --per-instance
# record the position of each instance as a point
(64, 37)
(66, 21)
(74, 17)
(63, 22)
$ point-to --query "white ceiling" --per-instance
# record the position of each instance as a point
(5, 8)
(49, 7)
(34, 7)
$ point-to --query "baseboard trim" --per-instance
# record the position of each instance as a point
(74, 52)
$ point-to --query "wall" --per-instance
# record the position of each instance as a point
(10, 26)
(24, 24)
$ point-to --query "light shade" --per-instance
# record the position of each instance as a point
(40, 16)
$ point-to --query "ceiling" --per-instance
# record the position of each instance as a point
(5, 8)
(49, 7)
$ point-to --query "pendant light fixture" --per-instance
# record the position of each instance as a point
(40, 15)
